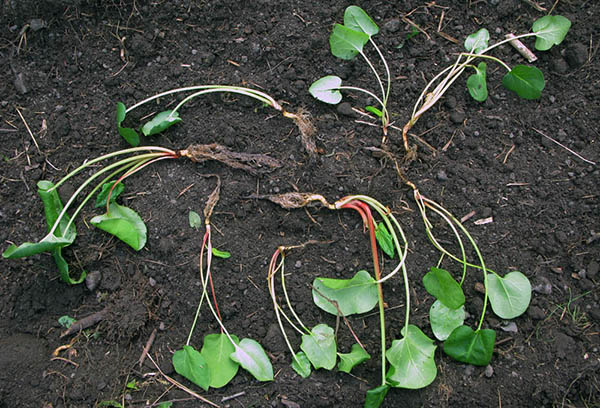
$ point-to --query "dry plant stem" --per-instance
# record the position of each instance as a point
(181, 386)
(147, 348)
(245, 161)
(86, 322)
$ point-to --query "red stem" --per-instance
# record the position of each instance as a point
(206, 243)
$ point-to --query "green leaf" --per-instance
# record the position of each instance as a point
(194, 219)
(251, 356)
(165, 404)
(301, 364)
(439, 283)
(220, 254)
(191, 364)
(411, 360)
(161, 122)
(48, 244)
(63, 268)
(216, 350)
(346, 43)
(353, 296)
(319, 346)
(357, 19)
(444, 320)
(326, 89)
(510, 295)
(526, 81)
(477, 41)
(66, 321)
(52, 209)
(123, 223)
(384, 239)
(476, 83)
(550, 31)
(349, 360)
(103, 194)
(472, 347)
(128, 134)
(375, 396)
(374, 111)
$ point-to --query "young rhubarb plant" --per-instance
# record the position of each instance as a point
(526, 81)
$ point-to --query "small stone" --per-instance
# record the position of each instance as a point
(345, 109)
(543, 287)
(511, 327)
(479, 287)
(19, 84)
(298, 264)
(162, 326)
(37, 24)
(457, 117)
(489, 371)
(152, 282)
(536, 313)
(392, 25)
(442, 176)
(92, 279)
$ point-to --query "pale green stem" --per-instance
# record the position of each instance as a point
(386, 95)
(371, 94)
(287, 299)
(376, 74)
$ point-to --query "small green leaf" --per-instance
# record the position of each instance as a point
(165, 404)
(66, 321)
(252, 357)
(128, 134)
(220, 254)
(375, 396)
(476, 83)
(161, 122)
(349, 360)
(374, 111)
(384, 239)
(411, 360)
(526, 81)
(346, 43)
(326, 89)
(357, 19)
(103, 194)
(472, 347)
(509, 295)
(319, 346)
(216, 350)
(477, 41)
(123, 223)
(133, 385)
(195, 220)
(301, 364)
(353, 296)
(63, 268)
(439, 283)
(550, 31)
(52, 209)
(192, 365)
(444, 320)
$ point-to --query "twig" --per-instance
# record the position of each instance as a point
(522, 49)
(85, 322)
(565, 147)
(29, 130)
(239, 394)
(147, 347)
(181, 386)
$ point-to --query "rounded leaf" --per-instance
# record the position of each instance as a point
(189, 363)
(444, 320)
(476, 83)
(550, 31)
(439, 283)
(478, 41)
(472, 347)
(358, 20)
(526, 81)
(326, 89)
(301, 364)
(161, 122)
(349, 360)
(353, 296)
(509, 295)
(252, 357)
(346, 43)
(123, 223)
(216, 350)
(319, 346)
(411, 360)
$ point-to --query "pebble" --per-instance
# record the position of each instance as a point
(536, 313)
(442, 176)
(544, 286)
(19, 83)
(392, 25)
(92, 279)
(345, 109)
(298, 264)
(511, 327)
(489, 371)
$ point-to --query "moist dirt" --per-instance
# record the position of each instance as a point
(533, 203)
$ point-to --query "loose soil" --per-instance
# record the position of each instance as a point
(66, 63)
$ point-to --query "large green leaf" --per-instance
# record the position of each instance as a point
(477, 41)
(384, 239)
(326, 89)
(357, 19)
(476, 83)
(439, 283)
(375, 396)
(128, 134)
(526, 81)
(189, 363)
(444, 320)
(509, 295)
(123, 223)
(103, 194)
(550, 31)
(48, 244)
(411, 360)
(161, 122)
(353, 296)
(349, 360)
(252, 357)
(472, 347)
(301, 364)
(216, 350)
(319, 346)
(346, 43)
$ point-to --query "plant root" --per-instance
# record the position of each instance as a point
(294, 200)
(244, 161)
(307, 129)
(86, 322)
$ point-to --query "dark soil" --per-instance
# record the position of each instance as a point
(66, 63)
